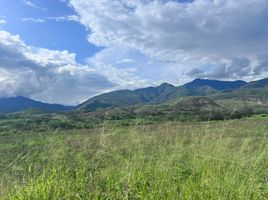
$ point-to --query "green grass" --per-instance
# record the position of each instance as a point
(259, 116)
(172, 160)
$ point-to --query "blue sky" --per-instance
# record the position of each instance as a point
(64, 35)
(66, 51)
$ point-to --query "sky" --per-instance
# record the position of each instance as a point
(66, 51)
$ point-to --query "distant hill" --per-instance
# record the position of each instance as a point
(16, 104)
(160, 94)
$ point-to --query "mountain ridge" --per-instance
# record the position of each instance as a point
(217, 84)
(20, 103)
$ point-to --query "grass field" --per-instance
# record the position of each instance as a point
(171, 160)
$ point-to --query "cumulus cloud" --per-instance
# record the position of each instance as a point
(217, 33)
(240, 67)
(262, 64)
(139, 64)
(54, 76)
(195, 72)
(237, 68)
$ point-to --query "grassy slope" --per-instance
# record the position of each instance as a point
(208, 160)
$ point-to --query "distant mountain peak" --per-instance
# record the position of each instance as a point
(214, 80)
(165, 84)
(215, 84)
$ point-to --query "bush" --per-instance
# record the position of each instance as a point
(61, 125)
(242, 112)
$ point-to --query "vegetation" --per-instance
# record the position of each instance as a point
(169, 160)
(186, 109)
(153, 143)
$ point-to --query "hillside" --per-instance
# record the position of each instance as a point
(183, 109)
(15, 104)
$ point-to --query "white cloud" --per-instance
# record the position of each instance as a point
(2, 21)
(155, 71)
(203, 32)
(68, 18)
(31, 4)
(74, 18)
(55, 76)
(35, 20)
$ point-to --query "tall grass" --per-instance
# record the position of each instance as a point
(209, 160)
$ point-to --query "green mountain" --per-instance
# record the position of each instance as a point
(128, 97)
(160, 94)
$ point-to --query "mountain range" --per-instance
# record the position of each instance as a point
(160, 94)
(213, 89)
